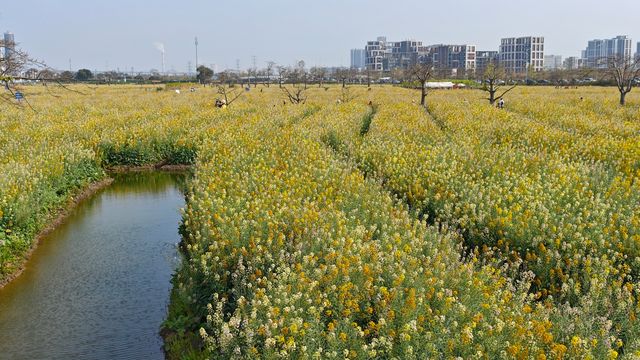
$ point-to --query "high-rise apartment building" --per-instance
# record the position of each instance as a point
(358, 58)
(406, 53)
(383, 55)
(375, 53)
(484, 58)
(599, 50)
(521, 54)
(460, 59)
(573, 63)
(552, 62)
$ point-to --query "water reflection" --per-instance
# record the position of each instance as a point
(97, 287)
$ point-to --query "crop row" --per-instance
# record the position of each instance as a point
(292, 252)
(571, 222)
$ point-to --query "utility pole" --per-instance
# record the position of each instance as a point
(70, 66)
(196, 42)
(254, 71)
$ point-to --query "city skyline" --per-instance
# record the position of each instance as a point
(228, 33)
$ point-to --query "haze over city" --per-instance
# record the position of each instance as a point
(121, 34)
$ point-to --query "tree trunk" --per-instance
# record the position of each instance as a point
(344, 83)
(423, 95)
(492, 97)
(622, 96)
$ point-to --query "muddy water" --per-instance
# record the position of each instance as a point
(98, 286)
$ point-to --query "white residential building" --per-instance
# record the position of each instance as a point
(552, 62)
(518, 55)
(457, 58)
(404, 54)
(375, 53)
(573, 63)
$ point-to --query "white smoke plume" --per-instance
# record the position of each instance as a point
(159, 46)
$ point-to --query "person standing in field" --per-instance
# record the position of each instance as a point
(501, 103)
(221, 104)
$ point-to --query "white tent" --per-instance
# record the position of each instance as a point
(440, 85)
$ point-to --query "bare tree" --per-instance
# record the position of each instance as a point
(422, 73)
(343, 74)
(269, 71)
(398, 74)
(227, 77)
(624, 71)
(318, 74)
(283, 73)
(17, 65)
(296, 95)
(299, 74)
(46, 74)
(229, 94)
(252, 73)
(494, 81)
(12, 65)
(292, 76)
(370, 75)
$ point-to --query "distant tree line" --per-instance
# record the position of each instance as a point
(623, 73)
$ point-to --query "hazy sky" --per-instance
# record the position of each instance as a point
(120, 34)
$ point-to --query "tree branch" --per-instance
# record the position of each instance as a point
(506, 91)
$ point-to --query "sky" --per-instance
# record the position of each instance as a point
(120, 34)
